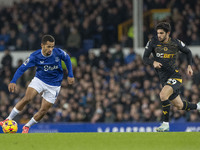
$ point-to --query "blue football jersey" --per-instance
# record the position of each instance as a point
(49, 68)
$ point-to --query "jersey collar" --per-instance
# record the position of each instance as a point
(46, 56)
(167, 41)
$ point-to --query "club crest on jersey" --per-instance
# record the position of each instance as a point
(57, 59)
(165, 49)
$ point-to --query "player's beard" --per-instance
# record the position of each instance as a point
(164, 38)
(49, 53)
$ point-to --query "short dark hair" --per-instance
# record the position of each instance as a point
(46, 38)
(164, 25)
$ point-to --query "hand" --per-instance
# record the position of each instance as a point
(12, 87)
(70, 80)
(157, 65)
(189, 70)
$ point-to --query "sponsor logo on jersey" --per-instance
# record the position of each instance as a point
(183, 44)
(64, 53)
(163, 55)
(147, 45)
(26, 62)
(47, 68)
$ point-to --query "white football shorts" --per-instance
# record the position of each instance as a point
(50, 93)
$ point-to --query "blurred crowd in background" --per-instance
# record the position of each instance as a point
(184, 19)
(74, 24)
(110, 87)
(84, 24)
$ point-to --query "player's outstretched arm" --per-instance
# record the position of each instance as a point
(27, 64)
(147, 53)
(12, 87)
(65, 57)
(187, 51)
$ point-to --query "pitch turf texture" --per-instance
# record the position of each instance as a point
(101, 141)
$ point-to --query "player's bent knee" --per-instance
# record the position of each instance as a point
(163, 96)
(179, 106)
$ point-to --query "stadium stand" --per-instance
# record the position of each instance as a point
(109, 87)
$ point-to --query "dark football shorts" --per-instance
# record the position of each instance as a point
(175, 83)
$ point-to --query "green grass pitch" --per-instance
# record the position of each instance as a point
(101, 141)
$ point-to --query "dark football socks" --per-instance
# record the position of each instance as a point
(166, 108)
(188, 106)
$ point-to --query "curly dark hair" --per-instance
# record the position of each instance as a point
(164, 25)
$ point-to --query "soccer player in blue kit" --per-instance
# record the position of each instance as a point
(47, 80)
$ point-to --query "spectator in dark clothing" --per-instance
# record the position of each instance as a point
(118, 56)
(7, 59)
(74, 40)
(131, 56)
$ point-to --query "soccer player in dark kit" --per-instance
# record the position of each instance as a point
(165, 51)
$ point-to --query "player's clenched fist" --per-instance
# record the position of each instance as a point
(70, 80)
(157, 64)
(12, 87)
(189, 70)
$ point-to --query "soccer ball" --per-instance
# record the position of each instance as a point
(10, 126)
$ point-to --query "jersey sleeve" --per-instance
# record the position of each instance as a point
(30, 62)
(147, 53)
(65, 57)
(184, 49)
